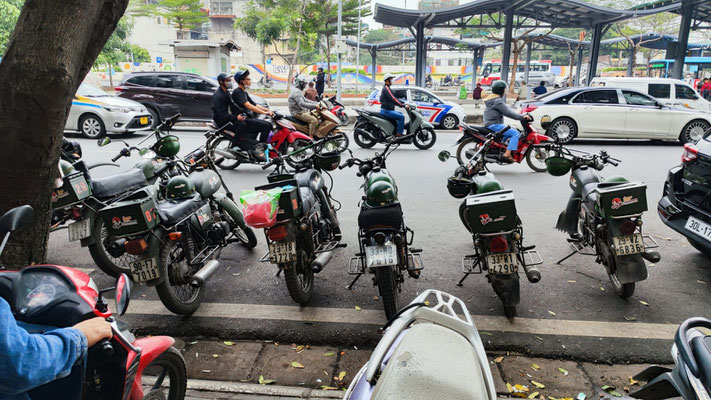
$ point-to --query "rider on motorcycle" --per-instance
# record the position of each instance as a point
(31, 360)
(300, 108)
(388, 103)
(496, 110)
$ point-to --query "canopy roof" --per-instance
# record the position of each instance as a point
(451, 42)
(702, 8)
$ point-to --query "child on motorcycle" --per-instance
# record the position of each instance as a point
(496, 110)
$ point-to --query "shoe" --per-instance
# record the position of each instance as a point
(506, 160)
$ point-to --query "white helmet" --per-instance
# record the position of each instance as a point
(388, 76)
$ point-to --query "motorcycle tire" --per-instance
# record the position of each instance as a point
(424, 138)
(362, 140)
(170, 364)
(387, 287)
(243, 233)
(111, 266)
(460, 150)
(175, 291)
(291, 147)
(343, 117)
(222, 162)
(623, 290)
(531, 159)
(299, 278)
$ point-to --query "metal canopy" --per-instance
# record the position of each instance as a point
(651, 41)
(451, 42)
(701, 14)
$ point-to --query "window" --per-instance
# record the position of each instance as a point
(197, 84)
(684, 92)
(169, 81)
(659, 90)
(141, 80)
(400, 94)
(564, 99)
(418, 95)
(638, 99)
(597, 97)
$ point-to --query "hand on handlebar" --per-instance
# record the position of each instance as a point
(528, 118)
(94, 329)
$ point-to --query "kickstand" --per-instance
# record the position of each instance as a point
(278, 272)
(461, 281)
(349, 287)
(567, 257)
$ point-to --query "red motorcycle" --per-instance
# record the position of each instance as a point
(44, 297)
(337, 108)
(473, 137)
(284, 139)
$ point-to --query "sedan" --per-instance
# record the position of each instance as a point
(94, 113)
(613, 113)
(446, 114)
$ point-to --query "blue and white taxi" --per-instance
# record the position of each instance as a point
(438, 112)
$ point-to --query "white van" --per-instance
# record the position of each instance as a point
(670, 92)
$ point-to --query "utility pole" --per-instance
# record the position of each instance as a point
(358, 48)
(340, 49)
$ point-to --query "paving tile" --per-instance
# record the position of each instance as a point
(233, 363)
(275, 363)
(518, 370)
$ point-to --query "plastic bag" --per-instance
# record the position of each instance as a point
(260, 207)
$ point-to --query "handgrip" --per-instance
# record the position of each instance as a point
(614, 163)
(269, 164)
(103, 349)
(116, 158)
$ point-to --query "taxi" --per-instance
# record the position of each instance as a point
(445, 114)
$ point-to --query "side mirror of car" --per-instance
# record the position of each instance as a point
(659, 105)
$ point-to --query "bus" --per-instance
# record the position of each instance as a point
(538, 71)
(697, 67)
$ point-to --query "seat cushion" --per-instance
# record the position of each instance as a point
(431, 362)
(481, 129)
(110, 186)
(172, 212)
(701, 347)
(294, 119)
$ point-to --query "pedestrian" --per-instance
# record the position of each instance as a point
(706, 89)
(477, 94)
(540, 89)
(310, 92)
(320, 81)
(522, 93)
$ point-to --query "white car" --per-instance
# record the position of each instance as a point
(94, 112)
(446, 114)
(670, 92)
(613, 113)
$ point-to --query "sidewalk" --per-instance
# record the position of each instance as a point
(234, 369)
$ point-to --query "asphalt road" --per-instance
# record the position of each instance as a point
(572, 312)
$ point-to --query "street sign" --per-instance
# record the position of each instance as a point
(159, 60)
(340, 48)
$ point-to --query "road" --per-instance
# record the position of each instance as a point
(570, 313)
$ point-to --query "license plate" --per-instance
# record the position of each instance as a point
(144, 270)
(628, 244)
(699, 227)
(79, 230)
(502, 263)
(143, 120)
(282, 252)
(381, 256)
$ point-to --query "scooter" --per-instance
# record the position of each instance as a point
(337, 108)
(382, 233)
(604, 217)
(430, 350)
(488, 212)
(691, 377)
(372, 127)
(44, 297)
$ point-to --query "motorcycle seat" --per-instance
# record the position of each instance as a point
(110, 186)
(431, 353)
(295, 120)
(173, 211)
(307, 198)
(481, 129)
(701, 347)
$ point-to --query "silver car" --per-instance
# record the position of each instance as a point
(94, 113)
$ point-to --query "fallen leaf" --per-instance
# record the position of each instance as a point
(611, 390)
(329, 354)
(358, 308)
(630, 319)
(375, 298)
(606, 387)
(644, 303)
(341, 375)
(538, 385)
(535, 367)
(551, 313)
(602, 288)
(633, 381)
(539, 338)
(297, 364)
(520, 391)
(533, 395)
(509, 387)
(325, 373)
(700, 281)
(299, 349)
(626, 389)
(427, 302)
(572, 281)
(329, 388)
(195, 342)
(486, 333)
(215, 355)
(228, 343)
(263, 381)
(563, 371)
(499, 359)
(343, 352)
(205, 371)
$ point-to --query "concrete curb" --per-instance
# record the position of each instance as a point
(263, 390)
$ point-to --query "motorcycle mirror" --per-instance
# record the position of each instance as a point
(123, 294)
(146, 153)
(104, 141)
(545, 122)
(444, 155)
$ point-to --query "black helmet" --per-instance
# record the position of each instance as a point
(240, 75)
(223, 77)
(459, 187)
(328, 161)
(498, 87)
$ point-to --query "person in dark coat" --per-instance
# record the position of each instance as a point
(320, 81)
(388, 101)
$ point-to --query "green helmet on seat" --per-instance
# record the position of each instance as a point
(180, 187)
(499, 87)
(168, 146)
(380, 193)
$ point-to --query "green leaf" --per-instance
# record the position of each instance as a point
(563, 371)
(297, 364)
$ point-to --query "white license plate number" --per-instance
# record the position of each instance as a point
(282, 252)
(79, 230)
(628, 244)
(699, 227)
(502, 263)
(144, 270)
(381, 256)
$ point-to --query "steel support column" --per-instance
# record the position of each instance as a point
(594, 53)
(631, 61)
(681, 47)
(475, 65)
(579, 66)
(419, 50)
(529, 46)
(508, 32)
(373, 55)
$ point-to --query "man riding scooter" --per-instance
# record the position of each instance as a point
(496, 110)
(388, 103)
(301, 108)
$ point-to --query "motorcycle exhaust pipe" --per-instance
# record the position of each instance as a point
(321, 261)
(365, 133)
(533, 274)
(225, 154)
(204, 274)
(651, 256)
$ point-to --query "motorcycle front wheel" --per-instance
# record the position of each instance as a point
(165, 377)
(387, 287)
(466, 150)
(536, 158)
(424, 138)
(343, 118)
(294, 160)
(299, 278)
(175, 292)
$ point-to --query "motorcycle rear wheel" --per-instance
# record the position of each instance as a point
(387, 287)
(111, 266)
(624, 290)
(343, 118)
(424, 138)
(170, 364)
(360, 139)
(299, 279)
(220, 161)
(175, 292)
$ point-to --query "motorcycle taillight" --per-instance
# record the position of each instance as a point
(277, 232)
(498, 244)
(136, 247)
(628, 227)
(690, 153)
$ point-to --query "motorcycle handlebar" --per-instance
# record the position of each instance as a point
(270, 163)
(123, 153)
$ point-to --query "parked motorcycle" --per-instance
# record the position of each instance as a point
(284, 139)
(473, 137)
(302, 228)
(266, 82)
(691, 377)
(44, 297)
(605, 216)
(372, 127)
(488, 212)
(430, 350)
(382, 234)
(328, 124)
(337, 108)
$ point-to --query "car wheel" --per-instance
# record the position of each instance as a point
(155, 117)
(693, 131)
(450, 121)
(92, 126)
(563, 130)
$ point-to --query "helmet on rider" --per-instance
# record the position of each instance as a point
(388, 76)
(300, 82)
(240, 75)
(180, 187)
(499, 87)
(223, 77)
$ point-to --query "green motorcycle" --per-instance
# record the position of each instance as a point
(383, 237)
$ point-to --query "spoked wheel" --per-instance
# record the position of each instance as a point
(343, 118)
(299, 278)
(624, 290)
(536, 158)
(225, 145)
(297, 158)
(175, 291)
(361, 139)
(388, 289)
(466, 150)
(693, 131)
(244, 233)
(112, 266)
(165, 378)
(424, 138)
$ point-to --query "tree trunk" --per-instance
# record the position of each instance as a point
(49, 42)
(516, 52)
(111, 76)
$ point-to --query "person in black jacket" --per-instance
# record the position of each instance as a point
(320, 81)
(221, 103)
(243, 104)
(388, 103)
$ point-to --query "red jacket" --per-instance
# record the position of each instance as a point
(706, 86)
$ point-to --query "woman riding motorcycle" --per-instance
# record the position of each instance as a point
(496, 110)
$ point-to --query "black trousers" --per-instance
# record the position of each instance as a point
(250, 132)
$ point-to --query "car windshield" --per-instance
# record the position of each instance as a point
(88, 90)
(554, 93)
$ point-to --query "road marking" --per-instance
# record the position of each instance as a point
(488, 323)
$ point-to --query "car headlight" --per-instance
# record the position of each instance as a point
(117, 109)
